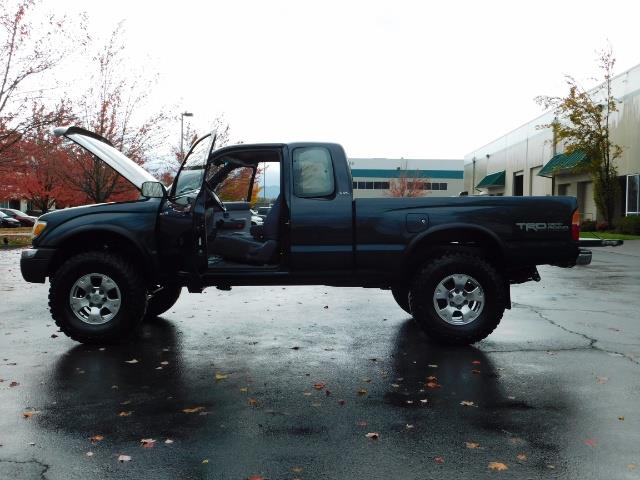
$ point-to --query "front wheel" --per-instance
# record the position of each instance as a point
(162, 300)
(97, 297)
(401, 296)
(458, 298)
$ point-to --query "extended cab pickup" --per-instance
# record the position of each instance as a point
(448, 261)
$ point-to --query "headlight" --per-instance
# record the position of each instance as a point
(38, 228)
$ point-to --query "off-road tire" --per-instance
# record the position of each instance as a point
(129, 281)
(162, 301)
(421, 295)
(401, 296)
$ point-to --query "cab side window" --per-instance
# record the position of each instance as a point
(312, 172)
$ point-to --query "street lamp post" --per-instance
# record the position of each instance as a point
(182, 115)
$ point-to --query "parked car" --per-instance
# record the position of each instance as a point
(448, 261)
(7, 222)
(24, 219)
(263, 212)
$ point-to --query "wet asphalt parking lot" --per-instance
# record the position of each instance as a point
(285, 383)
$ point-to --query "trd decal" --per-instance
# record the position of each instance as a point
(542, 227)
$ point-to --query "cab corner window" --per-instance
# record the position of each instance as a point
(312, 172)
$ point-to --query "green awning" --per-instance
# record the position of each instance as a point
(492, 180)
(563, 162)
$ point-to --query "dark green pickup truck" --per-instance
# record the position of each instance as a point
(448, 261)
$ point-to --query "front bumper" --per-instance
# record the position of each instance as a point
(584, 257)
(35, 264)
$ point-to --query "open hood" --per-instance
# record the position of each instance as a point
(102, 148)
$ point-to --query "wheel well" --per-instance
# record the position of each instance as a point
(454, 239)
(102, 240)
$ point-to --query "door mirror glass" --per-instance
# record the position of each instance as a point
(153, 190)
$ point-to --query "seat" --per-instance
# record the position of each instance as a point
(260, 249)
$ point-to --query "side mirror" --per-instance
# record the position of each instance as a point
(153, 190)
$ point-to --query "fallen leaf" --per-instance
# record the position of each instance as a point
(366, 380)
(306, 394)
(432, 385)
(193, 410)
(252, 402)
(147, 443)
(244, 389)
(89, 454)
(164, 363)
(476, 362)
(256, 477)
(362, 423)
(13, 384)
(521, 456)
(53, 335)
(373, 435)
(133, 360)
(316, 404)
(432, 365)
(591, 442)
(295, 348)
(205, 461)
(424, 400)
(319, 385)
(476, 372)
(341, 402)
(601, 380)
(409, 426)
(362, 392)
(409, 402)
(221, 376)
(467, 403)
(472, 445)
(632, 466)
(439, 460)
(621, 418)
(124, 458)
(497, 466)
(296, 469)
(96, 438)
(395, 385)
(125, 414)
(168, 441)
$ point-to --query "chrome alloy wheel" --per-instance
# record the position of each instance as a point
(95, 298)
(459, 299)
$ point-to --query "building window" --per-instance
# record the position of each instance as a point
(443, 186)
(633, 194)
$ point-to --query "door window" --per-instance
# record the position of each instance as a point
(312, 172)
(189, 180)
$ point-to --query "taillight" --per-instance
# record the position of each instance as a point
(575, 226)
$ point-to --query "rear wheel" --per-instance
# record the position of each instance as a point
(97, 297)
(458, 298)
(401, 296)
(162, 300)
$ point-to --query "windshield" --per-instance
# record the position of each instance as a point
(190, 177)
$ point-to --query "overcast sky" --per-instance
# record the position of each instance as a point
(386, 79)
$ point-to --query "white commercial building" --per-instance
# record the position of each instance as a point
(373, 177)
(527, 161)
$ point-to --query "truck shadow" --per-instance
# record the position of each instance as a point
(465, 392)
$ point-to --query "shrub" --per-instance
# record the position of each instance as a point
(629, 225)
(588, 226)
(602, 226)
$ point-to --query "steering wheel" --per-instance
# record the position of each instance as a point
(217, 200)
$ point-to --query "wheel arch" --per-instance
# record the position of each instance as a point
(111, 238)
(442, 238)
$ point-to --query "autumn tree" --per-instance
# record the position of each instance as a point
(408, 184)
(30, 46)
(111, 107)
(583, 124)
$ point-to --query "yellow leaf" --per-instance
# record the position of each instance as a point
(193, 410)
(472, 445)
(467, 403)
(252, 402)
(125, 414)
(497, 466)
(521, 456)
(362, 392)
(296, 469)
(244, 389)
(205, 461)
(96, 438)
(221, 376)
